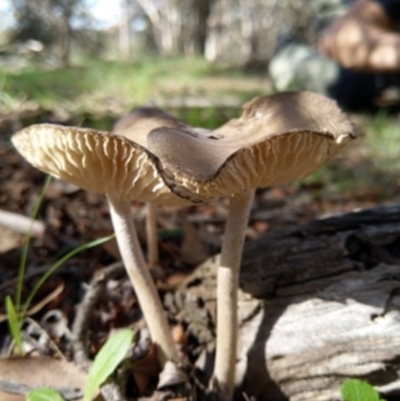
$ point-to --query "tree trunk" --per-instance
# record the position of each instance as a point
(319, 303)
(65, 39)
(125, 31)
(166, 24)
(201, 12)
(218, 30)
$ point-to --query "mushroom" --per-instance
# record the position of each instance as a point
(277, 139)
(123, 170)
(135, 126)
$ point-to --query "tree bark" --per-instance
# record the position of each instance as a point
(319, 303)
(201, 11)
(125, 45)
(65, 38)
(166, 23)
(68, 11)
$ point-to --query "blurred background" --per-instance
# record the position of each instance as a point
(97, 55)
(88, 62)
(65, 32)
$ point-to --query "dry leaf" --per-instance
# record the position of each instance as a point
(21, 374)
(145, 369)
(171, 375)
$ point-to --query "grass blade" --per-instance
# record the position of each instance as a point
(14, 324)
(56, 265)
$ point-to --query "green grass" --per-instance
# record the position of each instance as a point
(371, 165)
(44, 87)
(382, 137)
(99, 85)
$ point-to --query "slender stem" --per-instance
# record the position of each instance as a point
(151, 234)
(227, 286)
(143, 284)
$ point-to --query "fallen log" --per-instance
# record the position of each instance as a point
(319, 303)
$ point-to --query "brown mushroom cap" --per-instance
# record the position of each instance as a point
(138, 123)
(277, 139)
(96, 161)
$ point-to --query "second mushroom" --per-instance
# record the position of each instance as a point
(135, 126)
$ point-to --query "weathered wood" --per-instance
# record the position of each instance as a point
(320, 303)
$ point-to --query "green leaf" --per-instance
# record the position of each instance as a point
(359, 390)
(44, 394)
(14, 324)
(107, 359)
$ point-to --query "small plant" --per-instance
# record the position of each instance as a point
(359, 390)
(16, 315)
(106, 361)
(14, 324)
(16, 311)
(13, 309)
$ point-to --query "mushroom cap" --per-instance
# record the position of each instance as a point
(96, 161)
(276, 140)
(152, 157)
(139, 122)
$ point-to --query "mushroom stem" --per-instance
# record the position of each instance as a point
(151, 234)
(227, 286)
(143, 284)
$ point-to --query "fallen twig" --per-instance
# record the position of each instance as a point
(84, 309)
(21, 224)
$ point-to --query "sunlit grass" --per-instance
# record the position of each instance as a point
(101, 85)
(369, 167)
(382, 138)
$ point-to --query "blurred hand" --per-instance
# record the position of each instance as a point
(362, 40)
